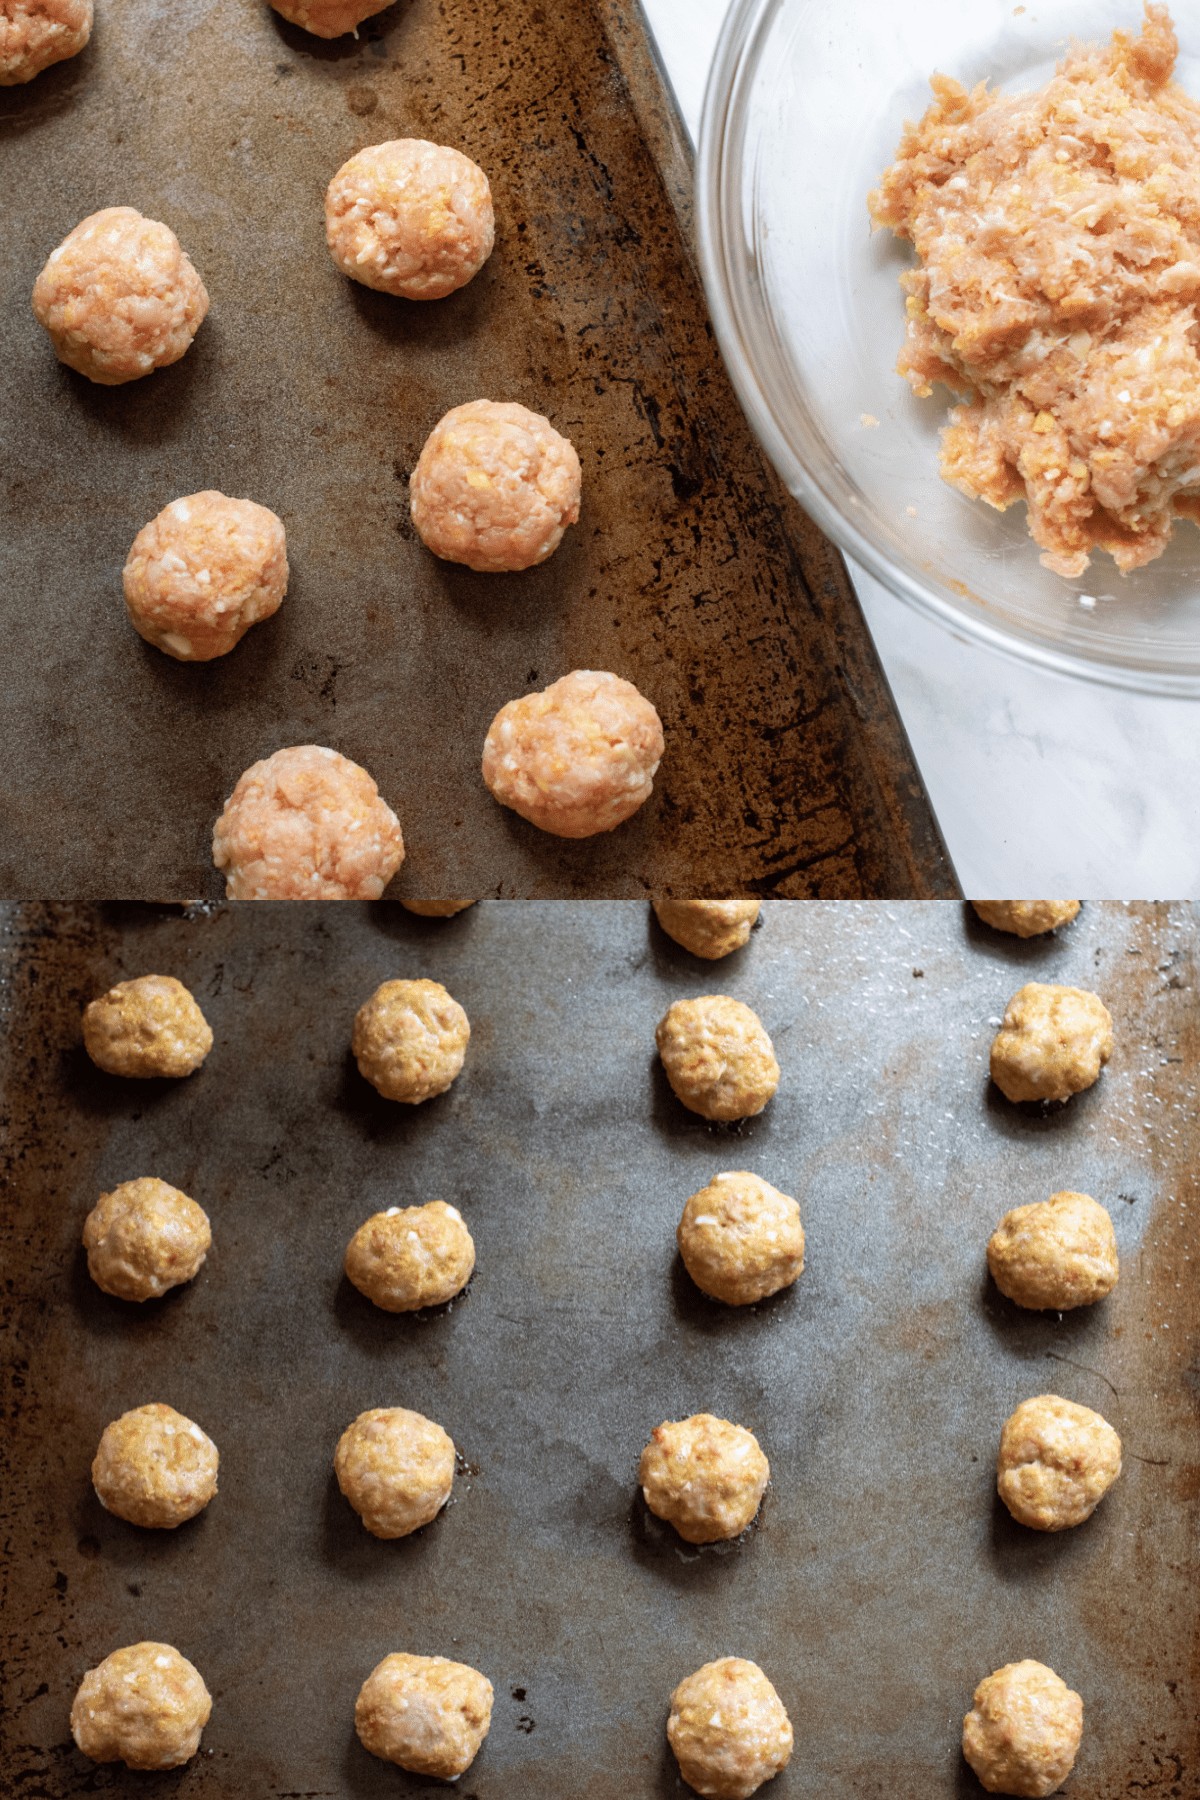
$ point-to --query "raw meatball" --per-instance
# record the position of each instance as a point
(1056, 1463)
(203, 572)
(396, 1469)
(704, 1476)
(729, 1729)
(144, 1238)
(436, 909)
(1057, 1254)
(36, 33)
(424, 1713)
(410, 1040)
(708, 928)
(329, 18)
(1026, 918)
(1022, 1733)
(154, 1467)
(144, 1706)
(411, 1256)
(495, 487)
(147, 1027)
(741, 1239)
(119, 297)
(718, 1059)
(578, 758)
(410, 218)
(307, 824)
(1053, 1043)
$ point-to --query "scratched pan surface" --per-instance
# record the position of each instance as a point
(883, 1580)
(690, 573)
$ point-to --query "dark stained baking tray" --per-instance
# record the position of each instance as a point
(692, 573)
(883, 1579)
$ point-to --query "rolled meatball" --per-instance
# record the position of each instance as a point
(708, 928)
(146, 1028)
(203, 572)
(329, 18)
(741, 1239)
(729, 1729)
(578, 758)
(495, 488)
(424, 1713)
(436, 909)
(119, 297)
(36, 33)
(410, 1040)
(717, 1057)
(410, 218)
(145, 1706)
(1022, 1733)
(145, 1238)
(1026, 918)
(1053, 1043)
(307, 824)
(704, 1476)
(1056, 1463)
(411, 1256)
(396, 1469)
(1055, 1255)
(155, 1468)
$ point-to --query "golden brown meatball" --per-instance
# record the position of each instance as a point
(147, 1027)
(155, 1468)
(729, 1729)
(36, 33)
(411, 1256)
(1056, 1463)
(1022, 1733)
(424, 1713)
(329, 18)
(436, 909)
(410, 218)
(144, 1706)
(410, 1040)
(704, 1476)
(1057, 1254)
(741, 1239)
(144, 1238)
(1026, 918)
(1053, 1043)
(396, 1468)
(708, 928)
(718, 1059)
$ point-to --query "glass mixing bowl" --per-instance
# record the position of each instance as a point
(804, 111)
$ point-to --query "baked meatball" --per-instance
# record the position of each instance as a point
(1026, 918)
(1022, 1733)
(145, 1238)
(718, 1059)
(411, 1256)
(410, 218)
(410, 1040)
(329, 18)
(119, 297)
(729, 1729)
(155, 1468)
(578, 758)
(708, 928)
(36, 33)
(1057, 1254)
(1053, 1043)
(741, 1239)
(436, 909)
(307, 824)
(424, 1713)
(704, 1476)
(144, 1706)
(396, 1468)
(495, 488)
(1056, 1463)
(203, 572)
(147, 1027)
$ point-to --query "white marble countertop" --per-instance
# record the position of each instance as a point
(1041, 784)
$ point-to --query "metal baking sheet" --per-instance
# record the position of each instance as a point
(883, 1579)
(692, 573)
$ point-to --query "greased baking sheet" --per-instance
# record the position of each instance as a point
(883, 1579)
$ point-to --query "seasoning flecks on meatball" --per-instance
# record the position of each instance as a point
(495, 488)
(307, 824)
(729, 1729)
(144, 1705)
(154, 1467)
(144, 1238)
(426, 1714)
(410, 218)
(708, 928)
(411, 1256)
(1057, 1254)
(36, 33)
(1053, 1043)
(396, 1468)
(1022, 1734)
(1026, 918)
(147, 1027)
(410, 1040)
(704, 1476)
(203, 572)
(717, 1057)
(741, 1239)
(1056, 1462)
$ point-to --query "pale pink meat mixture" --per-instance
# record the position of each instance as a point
(36, 33)
(578, 758)
(1059, 241)
(307, 824)
(495, 487)
(119, 297)
(410, 218)
(203, 572)
(329, 18)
